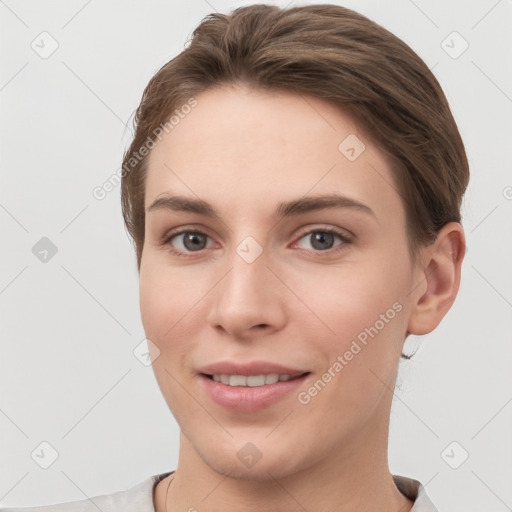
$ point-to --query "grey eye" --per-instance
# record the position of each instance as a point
(321, 240)
(191, 241)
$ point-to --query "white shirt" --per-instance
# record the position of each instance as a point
(140, 499)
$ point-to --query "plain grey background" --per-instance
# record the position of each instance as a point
(71, 323)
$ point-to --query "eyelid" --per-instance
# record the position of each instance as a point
(342, 233)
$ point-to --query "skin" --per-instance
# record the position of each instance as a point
(244, 151)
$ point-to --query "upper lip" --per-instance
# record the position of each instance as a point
(249, 368)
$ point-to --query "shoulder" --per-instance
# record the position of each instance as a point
(136, 499)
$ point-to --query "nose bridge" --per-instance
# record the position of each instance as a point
(246, 297)
(246, 284)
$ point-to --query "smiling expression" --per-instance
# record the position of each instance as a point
(264, 242)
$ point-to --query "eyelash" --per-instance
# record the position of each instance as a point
(166, 241)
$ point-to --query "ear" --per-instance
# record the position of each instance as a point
(437, 279)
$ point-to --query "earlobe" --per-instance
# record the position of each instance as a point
(437, 279)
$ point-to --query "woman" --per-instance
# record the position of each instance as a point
(293, 191)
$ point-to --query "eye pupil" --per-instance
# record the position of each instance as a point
(322, 237)
(192, 239)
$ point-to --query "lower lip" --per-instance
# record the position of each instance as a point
(246, 398)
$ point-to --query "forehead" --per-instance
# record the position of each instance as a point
(246, 148)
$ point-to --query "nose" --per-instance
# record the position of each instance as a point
(249, 300)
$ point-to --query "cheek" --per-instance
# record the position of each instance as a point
(166, 306)
(365, 311)
(159, 296)
(153, 301)
(352, 299)
(161, 304)
(170, 301)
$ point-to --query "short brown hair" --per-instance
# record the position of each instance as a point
(329, 52)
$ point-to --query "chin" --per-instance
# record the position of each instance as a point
(248, 463)
(260, 472)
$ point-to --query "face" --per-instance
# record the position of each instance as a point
(271, 278)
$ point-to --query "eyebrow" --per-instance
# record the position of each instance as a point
(284, 209)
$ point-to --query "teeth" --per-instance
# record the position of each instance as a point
(250, 380)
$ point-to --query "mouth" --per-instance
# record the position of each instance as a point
(253, 380)
(250, 393)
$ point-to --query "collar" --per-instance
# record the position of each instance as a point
(414, 490)
(409, 487)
